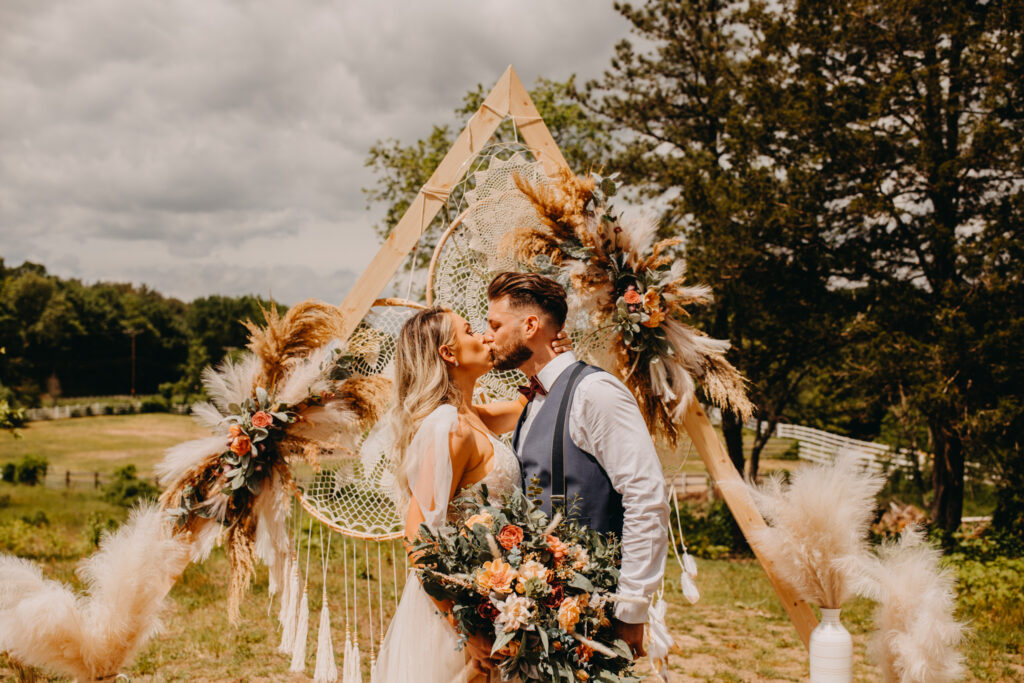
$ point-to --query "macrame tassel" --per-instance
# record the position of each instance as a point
(301, 634)
(689, 564)
(659, 640)
(346, 662)
(326, 670)
(291, 613)
(354, 664)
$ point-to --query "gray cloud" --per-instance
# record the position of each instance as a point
(209, 146)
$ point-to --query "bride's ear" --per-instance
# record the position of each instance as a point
(448, 356)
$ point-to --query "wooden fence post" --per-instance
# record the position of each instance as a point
(67, 479)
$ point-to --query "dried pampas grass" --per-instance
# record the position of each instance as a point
(817, 527)
(917, 637)
(306, 327)
(45, 624)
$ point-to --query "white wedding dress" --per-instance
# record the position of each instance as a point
(420, 646)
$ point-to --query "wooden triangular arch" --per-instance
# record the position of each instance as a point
(510, 99)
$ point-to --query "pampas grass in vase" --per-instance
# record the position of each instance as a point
(816, 535)
(917, 637)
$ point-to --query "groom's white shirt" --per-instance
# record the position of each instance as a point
(606, 422)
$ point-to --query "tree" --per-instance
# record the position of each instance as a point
(403, 169)
(700, 104)
(924, 163)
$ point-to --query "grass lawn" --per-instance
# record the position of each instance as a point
(737, 632)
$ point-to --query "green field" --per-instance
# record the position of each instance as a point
(737, 632)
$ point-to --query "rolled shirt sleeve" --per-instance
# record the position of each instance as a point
(606, 422)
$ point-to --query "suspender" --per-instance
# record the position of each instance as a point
(558, 442)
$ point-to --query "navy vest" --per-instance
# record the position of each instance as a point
(589, 495)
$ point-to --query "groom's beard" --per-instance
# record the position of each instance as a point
(512, 356)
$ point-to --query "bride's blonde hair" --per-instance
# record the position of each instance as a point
(422, 381)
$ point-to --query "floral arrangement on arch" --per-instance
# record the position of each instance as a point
(542, 588)
(633, 288)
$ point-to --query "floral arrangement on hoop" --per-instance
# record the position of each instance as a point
(292, 397)
(542, 589)
(634, 289)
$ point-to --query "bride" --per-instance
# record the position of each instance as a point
(444, 444)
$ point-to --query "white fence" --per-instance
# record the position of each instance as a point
(820, 446)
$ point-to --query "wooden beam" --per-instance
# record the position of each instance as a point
(732, 489)
(428, 202)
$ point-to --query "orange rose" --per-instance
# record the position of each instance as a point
(568, 615)
(510, 536)
(234, 430)
(557, 548)
(262, 419)
(241, 445)
(496, 576)
(632, 297)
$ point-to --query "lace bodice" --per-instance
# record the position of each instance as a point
(504, 475)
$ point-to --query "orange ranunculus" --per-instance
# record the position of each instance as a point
(241, 445)
(262, 419)
(482, 518)
(510, 536)
(557, 548)
(632, 297)
(657, 318)
(584, 652)
(234, 430)
(651, 299)
(496, 576)
(568, 614)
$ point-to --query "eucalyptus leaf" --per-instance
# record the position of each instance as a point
(261, 395)
(502, 638)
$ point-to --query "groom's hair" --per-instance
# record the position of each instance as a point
(530, 289)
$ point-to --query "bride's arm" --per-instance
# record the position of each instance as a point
(500, 416)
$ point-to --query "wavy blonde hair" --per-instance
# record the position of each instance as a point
(422, 381)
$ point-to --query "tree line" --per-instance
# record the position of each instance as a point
(849, 178)
(61, 337)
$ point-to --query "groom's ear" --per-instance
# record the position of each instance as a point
(531, 326)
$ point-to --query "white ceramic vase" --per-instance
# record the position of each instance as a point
(831, 650)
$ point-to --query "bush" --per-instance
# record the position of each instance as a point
(97, 524)
(154, 404)
(709, 530)
(31, 470)
(126, 488)
(37, 519)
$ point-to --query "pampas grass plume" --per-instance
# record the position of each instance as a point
(917, 637)
(818, 523)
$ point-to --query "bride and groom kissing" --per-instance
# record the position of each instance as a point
(578, 434)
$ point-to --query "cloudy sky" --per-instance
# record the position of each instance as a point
(210, 146)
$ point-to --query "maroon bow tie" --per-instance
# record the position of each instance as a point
(531, 391)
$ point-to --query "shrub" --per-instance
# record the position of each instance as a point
(5, 500)
(96, 524)
(31, 470)
(126, 488)
(37, 519)
(709, 530)
(154, 404)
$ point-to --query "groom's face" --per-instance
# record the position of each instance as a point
(506, 334)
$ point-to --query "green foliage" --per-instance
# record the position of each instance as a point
(709, 530)
(154, 404)
(991, 592)
(30, 470)
(96, 525)
(126, 489)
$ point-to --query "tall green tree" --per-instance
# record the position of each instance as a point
(923, 105)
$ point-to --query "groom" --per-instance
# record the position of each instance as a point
(582, 438)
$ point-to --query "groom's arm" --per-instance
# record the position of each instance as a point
(606, 422)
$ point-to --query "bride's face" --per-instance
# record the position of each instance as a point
(470, 351)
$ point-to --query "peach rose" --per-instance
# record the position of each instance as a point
(557, 548)
(633, 297)
(510, 536)
(532, 569)
(262, 419)
(496, 576)
(234, 430)
(482, 518)
(651, 299)
(568, 615)
(241, 445)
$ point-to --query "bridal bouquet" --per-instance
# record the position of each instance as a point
(542, 588)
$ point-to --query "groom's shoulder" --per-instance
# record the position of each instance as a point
(600, 381)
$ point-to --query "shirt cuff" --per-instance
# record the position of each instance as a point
(632, 612)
